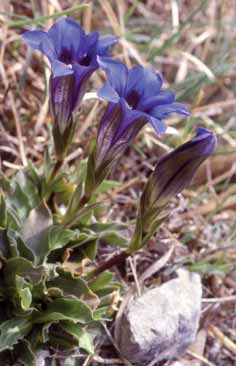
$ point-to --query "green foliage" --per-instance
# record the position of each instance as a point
(48, 299)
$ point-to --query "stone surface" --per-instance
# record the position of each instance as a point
(163, 322)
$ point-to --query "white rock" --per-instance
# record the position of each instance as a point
(163, 322)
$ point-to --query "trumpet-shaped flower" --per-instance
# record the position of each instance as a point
(73, 57)
(174, 171)
(135, 98)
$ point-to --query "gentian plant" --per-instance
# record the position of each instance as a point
(54, 291)
(135, 98)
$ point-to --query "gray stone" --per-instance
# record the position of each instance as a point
(163, 322)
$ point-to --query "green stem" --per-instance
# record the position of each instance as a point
(40, 19)
(55, 170)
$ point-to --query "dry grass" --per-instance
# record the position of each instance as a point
(193, 43)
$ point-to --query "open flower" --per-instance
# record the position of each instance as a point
(73, 57)
(135, 98)
(174, 171)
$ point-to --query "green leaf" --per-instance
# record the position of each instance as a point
(153, 228)
(82, 216)
(114, 239)
(90, 182)
(65, 309)
(3, 212)
(70, 285)
(72, 210)
(24, 292)
(58, 237)
(136, 242)
(90, 250)
(47, 162)
(13, 218)
(17, 246)
(34, 174)
(81, 335)
(35, 232)
(100, 227)
(84, 238)
(101, 281)
(107, 291)
(25, 193)
(102, 313)
(106, 185)
(4, 183)
(22, 267)
(11, 331)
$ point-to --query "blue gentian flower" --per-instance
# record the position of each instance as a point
(135, 98)
(174, 171)
(73, 57)
(140, 91)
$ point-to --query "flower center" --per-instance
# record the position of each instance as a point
(132, 99)
(66, 56)
(85, 60)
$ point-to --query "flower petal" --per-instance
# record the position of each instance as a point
(153, 82)
(67, 34)
(81, 76)
(116, 73)
(164, 97)
(104, 44)
(91, 40)
(128, 118)
(39, 40)
(163, 111)
(108, 93)
(60, 69)
(135, 80)
(88, 51)
(159, 126)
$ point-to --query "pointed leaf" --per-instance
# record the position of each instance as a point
(17, 246)
(35, 232)
(114, 239)
(11, 331)
(3, 212)
(70, 285)
(58, 237)
(25, 195)
(22, 267)
(81, 335)
(136, 242)
(101, 281)
(65, 309)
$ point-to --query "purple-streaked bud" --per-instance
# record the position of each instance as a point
(174, 172)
